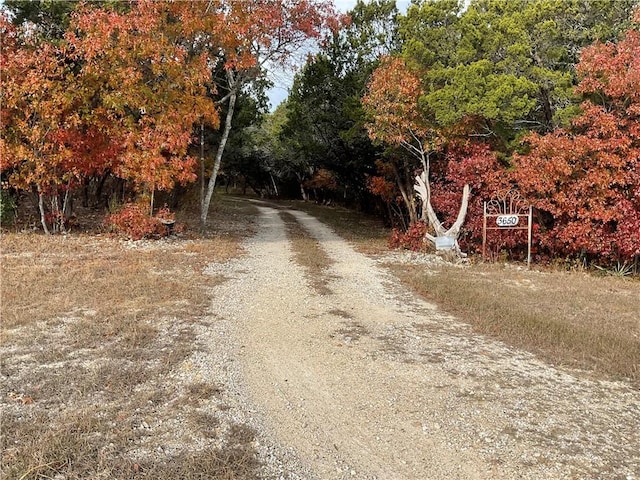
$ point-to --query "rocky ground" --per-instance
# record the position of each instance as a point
(368, 382)
(281, 380)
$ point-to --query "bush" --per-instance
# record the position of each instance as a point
(412, 239)
(133, 222)
(7, 208)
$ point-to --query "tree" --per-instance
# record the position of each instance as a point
(120, 93)
(397, 119)
(256, 33)
(508, 62)
(490, 71)
(43, 130)
(147, 78)
(325, 114)
(50, 19)
(586, 178)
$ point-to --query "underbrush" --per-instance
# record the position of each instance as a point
(131, 221)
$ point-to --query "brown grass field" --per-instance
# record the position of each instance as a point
(92, 326)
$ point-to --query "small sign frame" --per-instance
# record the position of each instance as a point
(445, 243)
(507, 207)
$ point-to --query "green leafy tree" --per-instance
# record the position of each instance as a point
(509, 62)
(325, 114)
(251, 35)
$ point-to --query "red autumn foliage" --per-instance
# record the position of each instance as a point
(392, 101)
(132, 221)
(478, 165)
(323, 179)
(382, 187)
(586, 179)
(412, 239)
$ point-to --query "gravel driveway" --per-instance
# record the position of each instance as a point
(368, 382)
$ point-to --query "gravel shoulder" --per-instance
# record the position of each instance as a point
(369, 382)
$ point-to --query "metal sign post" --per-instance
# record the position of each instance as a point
(507, 207)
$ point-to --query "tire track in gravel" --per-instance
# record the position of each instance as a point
(369, 382)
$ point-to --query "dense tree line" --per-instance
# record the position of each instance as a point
(457, 101)
(420, 116)
(118, 91)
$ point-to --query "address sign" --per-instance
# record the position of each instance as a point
(507, 207)
(507, 220)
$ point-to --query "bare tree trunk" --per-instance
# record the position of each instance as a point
(303, 192)
(42, 213)
(99, 188)
(424, 192)
(85, 193)
(275, 187)
(204, 207)
(202, 169)
(67, 208)
(55, 211)
(408, 201)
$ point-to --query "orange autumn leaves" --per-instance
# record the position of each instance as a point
(120, 93)
(392, 100)
(123, 90)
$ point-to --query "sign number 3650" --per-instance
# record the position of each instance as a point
(507, 220)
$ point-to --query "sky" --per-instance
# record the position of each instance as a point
(282, 80)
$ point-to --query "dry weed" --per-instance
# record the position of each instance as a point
(571, 319)
(366, 233)
(568, 318)
(308, 254)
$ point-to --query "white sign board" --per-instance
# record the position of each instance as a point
(507, 220)
(445, 243)
(507, 206)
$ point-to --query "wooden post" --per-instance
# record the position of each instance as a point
(484, 232)
(529, 235)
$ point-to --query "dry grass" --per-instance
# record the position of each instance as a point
(91, 328)
(568, 318)
(308, 254)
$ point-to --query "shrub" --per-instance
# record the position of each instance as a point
(133, 222)
(412, 239)
(7, 208)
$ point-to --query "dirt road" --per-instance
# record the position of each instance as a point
(368, 382)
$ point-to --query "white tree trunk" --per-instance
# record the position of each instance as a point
(422, 189)
(42, 213)
(206, 201)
